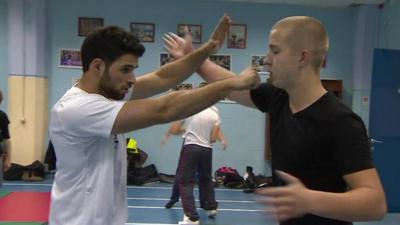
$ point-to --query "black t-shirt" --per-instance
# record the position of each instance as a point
(4, 133)
(318, 145)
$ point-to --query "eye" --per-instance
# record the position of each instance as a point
(127, 70)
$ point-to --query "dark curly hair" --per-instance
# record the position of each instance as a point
(109, 43)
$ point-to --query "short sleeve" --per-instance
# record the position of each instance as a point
(352, 151)
(217, 117)
(266, 96)
(92, 116)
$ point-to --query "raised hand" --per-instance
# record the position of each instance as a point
(220, 32)
(177, 46)
(286, 202)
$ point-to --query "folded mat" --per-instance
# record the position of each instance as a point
(4, 193)
(25, 207)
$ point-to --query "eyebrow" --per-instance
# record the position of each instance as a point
(131, 66)
(272, 46)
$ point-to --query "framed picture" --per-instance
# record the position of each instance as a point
(165, 58)
(237, 36)
(257, 61)
(86, 25)
(195, 30)
(183, 86)
(70, 58)
(222, 60)
(143, 31)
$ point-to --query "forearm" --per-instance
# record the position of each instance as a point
(355, 205)
(176, 128)
(221, 136)
(181, 104)
(211, 72)
(177, 71)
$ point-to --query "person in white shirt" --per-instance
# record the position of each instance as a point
(88, 122)
(199, 132)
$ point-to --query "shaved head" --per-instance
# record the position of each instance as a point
(303, 32)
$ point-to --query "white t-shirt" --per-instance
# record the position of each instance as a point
(90, 183)
(199, 126)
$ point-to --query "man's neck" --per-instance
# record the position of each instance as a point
(88, 83)
(305, 93)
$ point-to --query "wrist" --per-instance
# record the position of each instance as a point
(211, 46)
(312, 202)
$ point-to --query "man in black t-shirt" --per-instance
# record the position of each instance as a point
(321, 159)
(4, 139)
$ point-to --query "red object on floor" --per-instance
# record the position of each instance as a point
(25, 207)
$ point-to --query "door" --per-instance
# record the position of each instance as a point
(384, 125)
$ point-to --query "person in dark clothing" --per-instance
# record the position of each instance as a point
(5, 143)
(322, 166)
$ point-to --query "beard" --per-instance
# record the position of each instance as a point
(106, 87)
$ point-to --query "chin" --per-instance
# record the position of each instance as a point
(117, 98)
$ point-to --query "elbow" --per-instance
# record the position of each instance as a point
(166, 115)
(379, 212)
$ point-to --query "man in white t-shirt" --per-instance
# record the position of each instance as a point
(199, 132)
(87, 123)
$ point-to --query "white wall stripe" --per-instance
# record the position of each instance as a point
(129, 187)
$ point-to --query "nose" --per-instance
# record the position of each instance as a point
(267, 59)
(132, 80)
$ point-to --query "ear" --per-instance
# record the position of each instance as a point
(98, 66)
(304, 58)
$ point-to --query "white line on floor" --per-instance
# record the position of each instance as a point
(167, 199)
(150, 224)
(180, 208)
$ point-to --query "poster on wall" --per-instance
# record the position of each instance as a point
(143, 31)
(222, 60)
(86, 25)
(194, 29)
(237, 36)
(257, 62)
(165, 58)
(70, 58)
(182, 86)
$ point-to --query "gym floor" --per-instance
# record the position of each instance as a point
(146, 205)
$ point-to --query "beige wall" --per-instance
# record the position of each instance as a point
(28, 112)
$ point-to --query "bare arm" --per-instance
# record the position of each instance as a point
(218, 135)
(211, 72)
(174, 73)
(137, 114)
(364, 201)
(176, 128)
